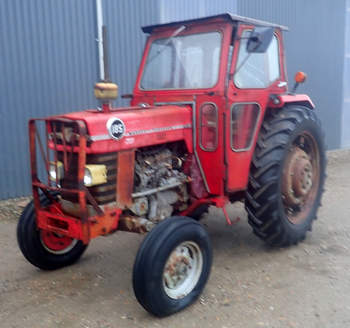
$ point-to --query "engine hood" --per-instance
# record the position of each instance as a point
(133, 127)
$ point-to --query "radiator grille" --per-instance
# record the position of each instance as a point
(104, 193)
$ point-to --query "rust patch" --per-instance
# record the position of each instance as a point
(104, 225)
(297, 178)
(301, 178)
(134, 224)
(125, 177)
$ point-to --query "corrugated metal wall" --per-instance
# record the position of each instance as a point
(187, 9)
(315, 44)
(124, 19)
(48, 64)
(346, 90)
(49, 59)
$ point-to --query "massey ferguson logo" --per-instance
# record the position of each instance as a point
(116, 128)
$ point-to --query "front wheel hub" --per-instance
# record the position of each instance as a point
(55, 243)
(182, 270)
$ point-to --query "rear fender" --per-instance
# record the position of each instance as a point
(279, 101)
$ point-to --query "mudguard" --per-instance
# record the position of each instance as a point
(279, 101)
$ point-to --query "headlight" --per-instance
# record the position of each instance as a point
(53, 170)
(95, 175)
(87, 178)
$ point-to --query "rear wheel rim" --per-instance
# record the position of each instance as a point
(301, 178)
(55, 243)
(182, 270)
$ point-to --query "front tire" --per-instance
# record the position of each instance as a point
(44, 249)
(172, 266)
(286, 177)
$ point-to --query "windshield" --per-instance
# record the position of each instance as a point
(183, 62)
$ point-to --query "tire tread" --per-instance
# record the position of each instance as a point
(262, 199)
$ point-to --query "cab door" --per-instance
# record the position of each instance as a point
(253, 78)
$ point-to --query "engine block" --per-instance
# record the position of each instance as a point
(159, 183)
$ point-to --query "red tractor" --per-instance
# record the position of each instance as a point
(210, 121)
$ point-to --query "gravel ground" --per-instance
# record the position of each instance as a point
(251, 285)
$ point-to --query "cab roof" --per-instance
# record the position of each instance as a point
(227, 16)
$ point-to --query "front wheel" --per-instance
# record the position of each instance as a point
(287, 176)
(44, 249)
(172, 266)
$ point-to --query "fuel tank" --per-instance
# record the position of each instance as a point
(134, 127)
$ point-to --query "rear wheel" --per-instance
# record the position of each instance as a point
(172, 266)
(45, 249)
(287, 176)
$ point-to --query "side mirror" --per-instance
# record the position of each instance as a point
(259, 39)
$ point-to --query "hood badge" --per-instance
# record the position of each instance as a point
(116, 128)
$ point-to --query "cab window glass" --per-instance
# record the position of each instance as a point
(183, 62)
(259, 70)
(244, 118)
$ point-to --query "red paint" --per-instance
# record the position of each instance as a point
(136, 120)
(228, 220)
(285, 99)
(196, 204)
(49, 220)
(64, 225)
(191, 169)
(54, 241)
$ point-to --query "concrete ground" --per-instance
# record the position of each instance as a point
(250, 285)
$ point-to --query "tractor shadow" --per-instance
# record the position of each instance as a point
(237, 241)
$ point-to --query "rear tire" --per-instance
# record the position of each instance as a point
(172, 266)
(44, 249)
(287, 176)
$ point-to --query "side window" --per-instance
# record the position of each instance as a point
(257, 70)
(208, 132)
(244, 118)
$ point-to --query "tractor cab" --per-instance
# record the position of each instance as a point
(229, 69)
